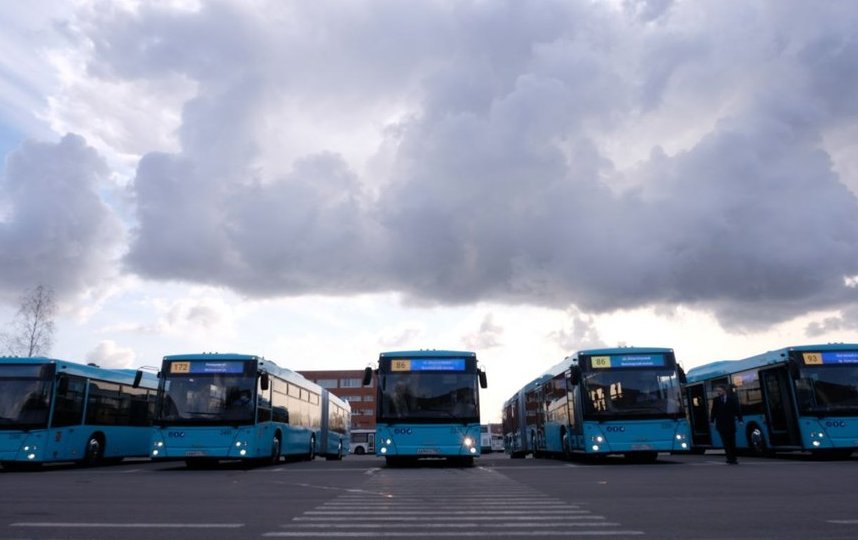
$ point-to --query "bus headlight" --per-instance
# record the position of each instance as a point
(598, 439)
(473, 450)
(383, 449)
(595, 448)
(469, 442)
(679, 436)
(157, 446)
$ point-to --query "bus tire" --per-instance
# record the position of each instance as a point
(93, 452)
(359, 451)
(757, 441)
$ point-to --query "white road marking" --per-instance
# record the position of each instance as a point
(96, 525)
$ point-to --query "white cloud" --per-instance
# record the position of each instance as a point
(108, 354)
(56, 229)
(603, 156)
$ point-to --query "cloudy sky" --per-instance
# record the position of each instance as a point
(317, 182)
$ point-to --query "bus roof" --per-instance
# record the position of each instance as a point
(572, 359)
(726, 367)
(429, 353)
(121, 376)
(213, 356)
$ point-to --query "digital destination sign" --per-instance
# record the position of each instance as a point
(627, 361)
(428, 364)
(829, 358)
(203, 367)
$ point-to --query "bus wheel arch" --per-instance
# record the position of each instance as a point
(565, 447)
(311, 450)
(359, 451)
(93, 452)
(757, 440)
(339, 455)
(276, 446)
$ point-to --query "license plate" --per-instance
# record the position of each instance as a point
(427, 451)
(195, 453)
(641, 447)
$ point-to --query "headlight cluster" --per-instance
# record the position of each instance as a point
(816, 438)
(597, 441)
(157, 447)
(469, 444)
(242, 446)
(680, 438)
(30, 451)
(385, 442)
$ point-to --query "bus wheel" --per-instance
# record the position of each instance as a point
(757, 441)
(359, 451)
(311, 452)
(94, 451)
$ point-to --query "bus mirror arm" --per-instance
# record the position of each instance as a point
(62, 383)
(574, 376)
(263, 381)
(681, 373)
(367, 376)
(137, 378)
(483, 381)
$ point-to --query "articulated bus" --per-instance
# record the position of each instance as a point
(241, 407)
(521, 415)
(428, 405)
(802, 398)
(54, 410)
(614, 401)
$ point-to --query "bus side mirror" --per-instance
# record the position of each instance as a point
(367, 376)
(263, 381)
(483, 381)
(681, 372)
(62, 384)
(137, 378)
(574, 376)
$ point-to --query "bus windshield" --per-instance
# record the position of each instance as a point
(432, 397)
(25, 396)
(632, 393)
(222, 398)
(824, 390)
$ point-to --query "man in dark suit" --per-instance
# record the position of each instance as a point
(725, 412)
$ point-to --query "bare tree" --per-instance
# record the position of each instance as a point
(33, 328)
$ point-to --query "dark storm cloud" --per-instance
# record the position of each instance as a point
(500, 185)
(55, 229)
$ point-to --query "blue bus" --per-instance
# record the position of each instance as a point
(241, 407)
(55, 410)
(802, 398)
(625, 400)
(521, 417)
(427, 405)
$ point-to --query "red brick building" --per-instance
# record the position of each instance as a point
(347, 385)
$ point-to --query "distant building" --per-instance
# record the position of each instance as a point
(347, 385)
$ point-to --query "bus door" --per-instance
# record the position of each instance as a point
(698, 410)
(370, 443)
(780, 412)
